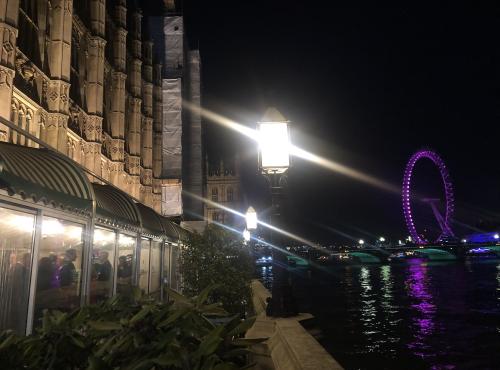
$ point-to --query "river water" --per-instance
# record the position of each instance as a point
(419, 315)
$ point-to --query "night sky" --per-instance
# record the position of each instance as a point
(363, 86)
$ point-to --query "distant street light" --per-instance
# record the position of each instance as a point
(361, 241)
(274, 160)
(496, 236)
(246, 235)
(381, 239)
(251, 218)
(464, 240)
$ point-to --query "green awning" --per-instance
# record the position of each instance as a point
(169, 229)
(183, 233)
(116, 208)
(151, 224)
(44, 176)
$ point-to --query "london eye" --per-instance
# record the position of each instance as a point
(408, 194)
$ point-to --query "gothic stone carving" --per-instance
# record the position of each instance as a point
(58, 96)
(8, 37)
(146, 176)
(132, 164)
(6, 77)
(113, 148)
(93, 128)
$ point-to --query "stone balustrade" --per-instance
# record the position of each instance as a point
(290, 346)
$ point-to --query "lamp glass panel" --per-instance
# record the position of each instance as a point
(274, 145)
(251, 218)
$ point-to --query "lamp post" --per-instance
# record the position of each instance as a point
(274, 160)
(251, 221)
(246, 236)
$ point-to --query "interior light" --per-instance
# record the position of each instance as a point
(51, 227)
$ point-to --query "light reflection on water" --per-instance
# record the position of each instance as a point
(498, 294)
(405, 316)
(417, 285)
(368, 309)
(265, 274)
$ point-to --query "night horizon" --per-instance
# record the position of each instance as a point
(366, 87)
(249, 185)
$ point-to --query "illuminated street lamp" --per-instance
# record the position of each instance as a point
(361, 242)
(274, 142)
(274, 160)
(381, 239)
(251, 219)
(496, 236)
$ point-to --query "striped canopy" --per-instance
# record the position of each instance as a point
(44, 176)
(116, 207)
(151, 223)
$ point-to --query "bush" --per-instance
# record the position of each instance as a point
(132, 333)
(218, 258)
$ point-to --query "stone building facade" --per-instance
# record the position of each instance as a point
(80, 75)
(223, 187)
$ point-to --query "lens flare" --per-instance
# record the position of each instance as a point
(262, 223)
(296, 151)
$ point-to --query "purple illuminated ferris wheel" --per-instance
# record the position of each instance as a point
(443, 220)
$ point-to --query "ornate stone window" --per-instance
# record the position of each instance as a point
(23, 117)
(230, 194)
(34, 21)
(78, 67)
(215, 194)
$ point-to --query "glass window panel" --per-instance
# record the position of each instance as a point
(59, 266)
(103, 257)
(126, 263)
(155, 267)
(166, 267)
(16, 243)
(144, 266)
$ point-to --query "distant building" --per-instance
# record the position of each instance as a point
(181, 135)
(223, 187)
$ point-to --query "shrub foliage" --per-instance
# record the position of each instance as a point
(132, 333)
(218, 258)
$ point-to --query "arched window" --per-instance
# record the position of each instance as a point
(34, 24)
(230, 195)
(215, 195)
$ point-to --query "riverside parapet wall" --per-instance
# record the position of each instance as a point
(290, 346)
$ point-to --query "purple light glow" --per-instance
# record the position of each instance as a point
(436, 159)
(479, 250)
(418, 290)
